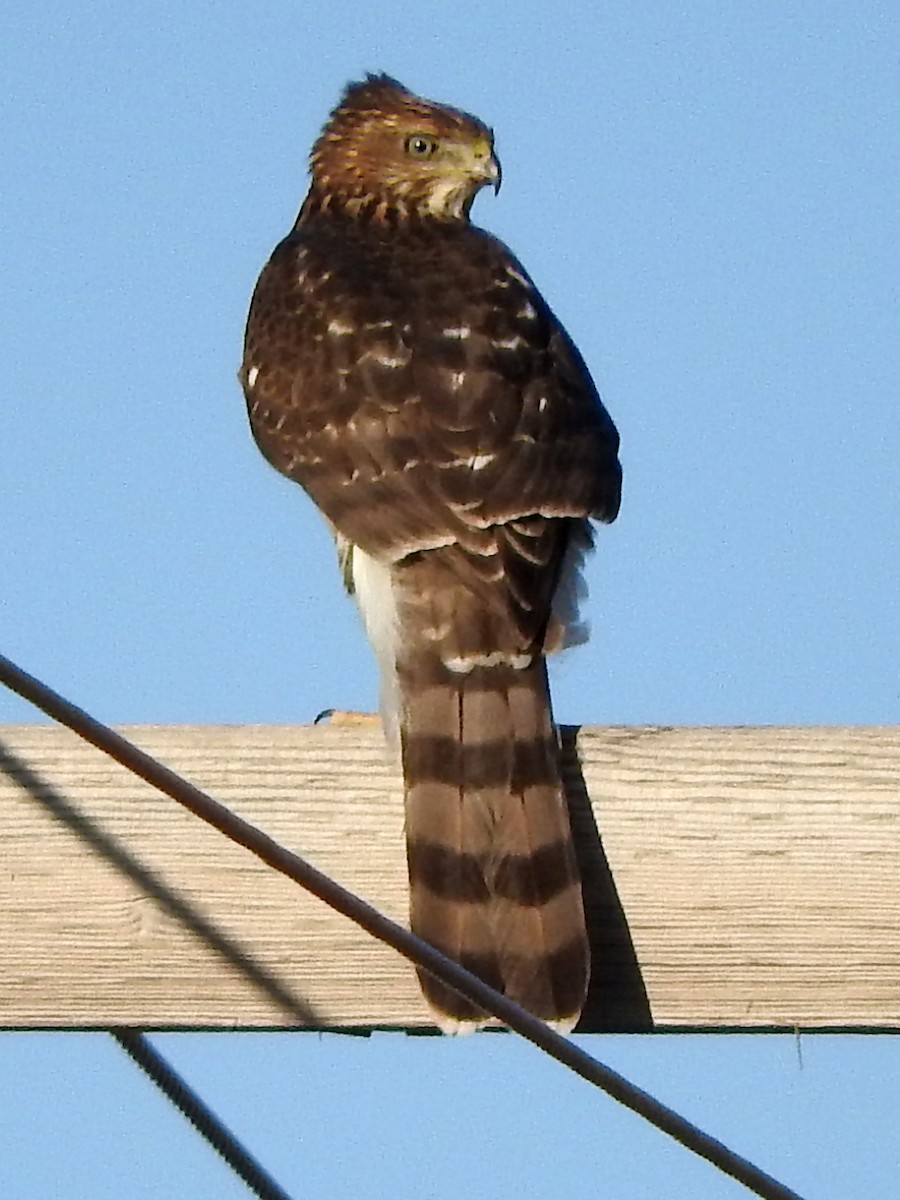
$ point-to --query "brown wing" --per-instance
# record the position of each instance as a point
(421, 391)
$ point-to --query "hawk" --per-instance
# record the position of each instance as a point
(402, 367)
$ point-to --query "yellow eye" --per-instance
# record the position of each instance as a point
(419, 145)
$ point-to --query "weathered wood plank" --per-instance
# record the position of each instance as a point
(745, 878)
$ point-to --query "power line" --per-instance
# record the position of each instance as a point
(204, 1120)
(379, 926)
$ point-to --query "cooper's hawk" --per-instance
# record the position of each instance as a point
(402, 367)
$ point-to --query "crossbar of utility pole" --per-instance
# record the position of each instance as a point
(734, 878)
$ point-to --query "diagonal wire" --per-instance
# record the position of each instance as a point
(204, 1120)
(406, 943)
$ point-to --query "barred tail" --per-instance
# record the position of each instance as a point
(493, 877)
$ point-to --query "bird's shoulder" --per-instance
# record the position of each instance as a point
(336, 252)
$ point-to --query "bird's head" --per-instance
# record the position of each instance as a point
(385, 147)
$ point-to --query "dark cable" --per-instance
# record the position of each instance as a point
(204, 1120)
(411, 947)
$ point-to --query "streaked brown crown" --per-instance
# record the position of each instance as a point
(383, 144)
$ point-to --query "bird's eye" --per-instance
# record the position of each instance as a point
(419, 145)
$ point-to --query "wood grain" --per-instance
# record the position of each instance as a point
(742, 879)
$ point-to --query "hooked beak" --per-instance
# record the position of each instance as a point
(488, 164)
(496, 173)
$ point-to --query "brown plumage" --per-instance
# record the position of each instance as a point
(400, 364)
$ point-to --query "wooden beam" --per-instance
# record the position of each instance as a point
(741, 879)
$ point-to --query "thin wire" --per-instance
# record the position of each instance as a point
(204, 1120)
(406, 943)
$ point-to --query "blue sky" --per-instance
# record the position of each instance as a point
(708, 197)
